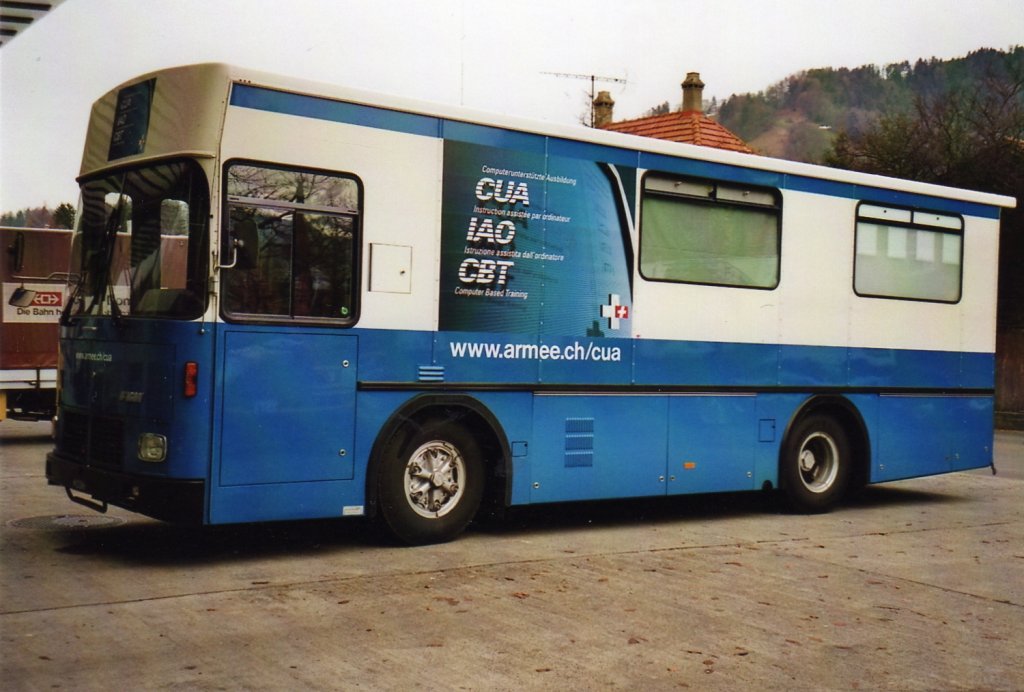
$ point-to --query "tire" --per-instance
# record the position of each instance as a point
(431, 484)
(815, 465)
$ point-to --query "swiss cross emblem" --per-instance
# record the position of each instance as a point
(614, 311)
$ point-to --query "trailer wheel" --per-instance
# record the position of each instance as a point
(815, 464)
(431, 484)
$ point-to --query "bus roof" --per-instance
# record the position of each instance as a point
(577, 133)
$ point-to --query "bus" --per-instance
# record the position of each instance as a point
(33, 273)
(384, 308)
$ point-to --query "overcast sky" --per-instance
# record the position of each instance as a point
(485, 54)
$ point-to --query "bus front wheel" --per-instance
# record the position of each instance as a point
(431, 484)
(815, 466)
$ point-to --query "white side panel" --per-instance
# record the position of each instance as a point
(693, 312)
(703, 313)
(968, 325)
(981, 281)
(815, 304)
(816, 285)
(401, 179)
(906, 324)
(810, 306)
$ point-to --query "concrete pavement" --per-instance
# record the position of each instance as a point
(917, 585)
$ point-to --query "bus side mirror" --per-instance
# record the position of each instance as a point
(21, 297)
(244, 245)
(16, 252)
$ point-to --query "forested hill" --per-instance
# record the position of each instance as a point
(798, 117)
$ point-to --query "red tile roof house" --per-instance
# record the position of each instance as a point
(690, 125)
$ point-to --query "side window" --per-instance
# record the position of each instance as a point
(291, 243)
(909, 254)
(709, 232)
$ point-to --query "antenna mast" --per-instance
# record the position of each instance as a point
(593, 80)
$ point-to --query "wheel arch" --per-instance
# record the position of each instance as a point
(468, 411)
(846, 414)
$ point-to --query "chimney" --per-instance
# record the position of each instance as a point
(693, 93)
(603, 106)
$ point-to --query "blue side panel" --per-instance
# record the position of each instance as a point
(373, 409)
(711, 443)
(286, 416)
(708, 169)
(494, 137)
(515, 412)
(520, 358)
(773, 415)
(283, 501)
(925, 435)
(974, 436)
(910, 441)
(593, 152)
(264, 99)
(628, 447)
(812, 366)
(598, 362)
(488, 363)
(282, 391)
(883, 367)
(977, 370)
(393, 355)
(908, 199)
(704, 363)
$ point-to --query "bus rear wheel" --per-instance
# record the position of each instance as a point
(431, 485)
(815, 465)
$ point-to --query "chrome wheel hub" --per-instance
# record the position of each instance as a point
(434, 479)
(818, 462)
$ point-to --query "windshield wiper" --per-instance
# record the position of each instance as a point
(65, 314)
(99, 275)
(116, 316)
(110, 240)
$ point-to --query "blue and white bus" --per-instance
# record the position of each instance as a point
(298, 301)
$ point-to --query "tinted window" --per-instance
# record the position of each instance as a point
(709, 232)
(904, 253)
(291, 243)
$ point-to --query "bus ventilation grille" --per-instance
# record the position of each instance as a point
(94, 440)
(431, 373)
(579, 442)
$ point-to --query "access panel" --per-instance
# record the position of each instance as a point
(595, 447)
(288, 407)
(712, 442)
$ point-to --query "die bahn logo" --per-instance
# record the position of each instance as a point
(48, 299)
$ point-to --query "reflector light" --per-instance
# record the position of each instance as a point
(191, 386)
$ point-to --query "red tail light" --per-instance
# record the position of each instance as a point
(191, 383)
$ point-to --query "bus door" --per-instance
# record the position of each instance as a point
(286, 424)
(287, 362)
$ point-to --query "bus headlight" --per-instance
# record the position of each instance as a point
(152, 447)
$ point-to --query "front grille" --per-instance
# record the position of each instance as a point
(74, 432)
(96, 441)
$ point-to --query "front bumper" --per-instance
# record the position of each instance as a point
(177, 500)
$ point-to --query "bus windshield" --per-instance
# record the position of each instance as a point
(141, 243)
